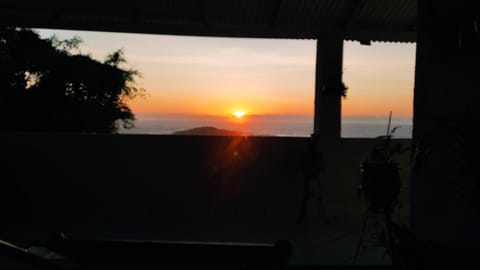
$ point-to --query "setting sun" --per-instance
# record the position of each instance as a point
(239, 113)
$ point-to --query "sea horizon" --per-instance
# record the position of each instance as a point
(289, 125)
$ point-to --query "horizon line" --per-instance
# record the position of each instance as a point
(268, 114)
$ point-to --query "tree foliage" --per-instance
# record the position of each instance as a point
(47, 85)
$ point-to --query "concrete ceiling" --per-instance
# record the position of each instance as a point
(362, 20)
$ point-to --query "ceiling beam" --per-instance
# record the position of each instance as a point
(352, 13)
(413, 25)
(203, 16)
(135, 16)
(277, 11)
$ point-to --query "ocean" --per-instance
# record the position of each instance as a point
(269, 125)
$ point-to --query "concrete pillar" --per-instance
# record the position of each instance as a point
(445, 204)
(328, 78)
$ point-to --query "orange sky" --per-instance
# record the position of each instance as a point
(193, 75)
(380, 79)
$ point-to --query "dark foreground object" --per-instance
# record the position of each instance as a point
(60, 253)
(63, 253)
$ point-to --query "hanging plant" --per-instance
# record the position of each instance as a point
(335, 87)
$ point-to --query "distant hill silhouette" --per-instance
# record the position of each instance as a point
(208, 131)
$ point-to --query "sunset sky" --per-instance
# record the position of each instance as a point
(216, 76)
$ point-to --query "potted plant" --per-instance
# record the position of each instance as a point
(380, 181)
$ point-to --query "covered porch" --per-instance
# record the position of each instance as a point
(196, 189)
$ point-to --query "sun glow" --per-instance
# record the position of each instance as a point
(239, 113)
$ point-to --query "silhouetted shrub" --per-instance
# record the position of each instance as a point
(47, 85)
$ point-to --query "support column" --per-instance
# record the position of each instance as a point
(328, 77)
(445, 204)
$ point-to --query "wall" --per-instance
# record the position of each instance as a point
(143, 186)
(446, 182)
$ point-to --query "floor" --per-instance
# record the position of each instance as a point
(324, 239)
(329, 239)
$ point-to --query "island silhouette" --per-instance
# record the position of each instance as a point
(209, 131)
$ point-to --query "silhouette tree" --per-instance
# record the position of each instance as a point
(47, 85)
